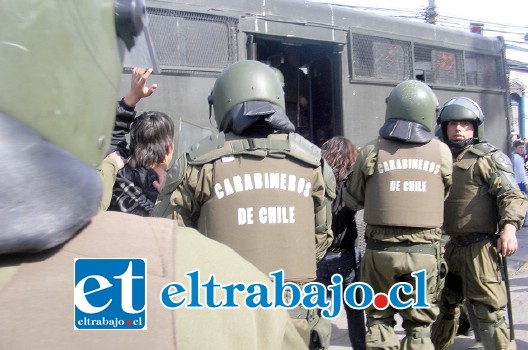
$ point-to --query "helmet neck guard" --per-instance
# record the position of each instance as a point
(405, 131)
(244, 115)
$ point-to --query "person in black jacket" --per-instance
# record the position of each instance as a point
(343, 257)
(138, 183)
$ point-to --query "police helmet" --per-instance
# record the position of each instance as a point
(245, 81)
(68, 99)
(279, 75)
(462, 109)
(413, 101)
(57, 112)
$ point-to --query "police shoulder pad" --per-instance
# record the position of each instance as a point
(175, 174)
(207, 149)
(304, 150)
(502, 161)
(483, 148)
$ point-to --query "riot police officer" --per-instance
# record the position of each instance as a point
(60, 69)
(401, 180)
(482, 214)
(257, 186)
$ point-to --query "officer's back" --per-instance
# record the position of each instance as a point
(256, 186)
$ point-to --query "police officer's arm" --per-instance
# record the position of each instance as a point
(323, 195)
(195, 190)
(365, 164)
(446, 168)
(108, 172)
(497, 171)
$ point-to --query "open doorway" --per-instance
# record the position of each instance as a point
(312, 82)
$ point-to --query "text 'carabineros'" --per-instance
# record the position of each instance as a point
(258, 181)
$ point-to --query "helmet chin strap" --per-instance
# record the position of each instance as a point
(462, 143)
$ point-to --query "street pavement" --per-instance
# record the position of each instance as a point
(518, 270)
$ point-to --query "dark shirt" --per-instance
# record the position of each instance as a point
(133, 191)
(343, 221)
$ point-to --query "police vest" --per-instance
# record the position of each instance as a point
(261, 202)
(469, 208)
(37, 302)
(406, 188)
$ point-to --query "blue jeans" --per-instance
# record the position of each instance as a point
(342, 263)
(522, 187)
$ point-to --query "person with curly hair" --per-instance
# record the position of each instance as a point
(343, 257)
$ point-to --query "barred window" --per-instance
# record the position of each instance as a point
(192, 40)
(439, 66)
(482, 71)
(380, 58)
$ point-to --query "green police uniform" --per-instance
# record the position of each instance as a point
(485, 197)
(256, 186)
(36, 292)
(387, 232)
(401, 180)
(266, 198)
(63, 56)
(108, 172)
(248, 199)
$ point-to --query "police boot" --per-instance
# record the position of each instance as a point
(492, 327)
(444, 328)
(464, 327)
(380, 334)
(321, 331)
(417, 337)
(464, 323)
(472, 318)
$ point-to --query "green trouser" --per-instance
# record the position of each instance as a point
(381, 270)
(445, 326)
(474, 274)
(314, 329)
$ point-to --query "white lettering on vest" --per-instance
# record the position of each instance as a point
(258, 181)
(292, 180)
(237, 181)
(218, 191)
(248, 184)
(408, 186)
(415, 186)
(245, 216)
(277, 215)
(394, 186)
(404, 164)
(274, 180)
(228, 188)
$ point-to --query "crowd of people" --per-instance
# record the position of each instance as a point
(257, 197)
(404, 226)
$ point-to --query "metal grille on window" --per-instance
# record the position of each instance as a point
(190, 41)
(380, 58)
(482, 71)
(438, 65)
